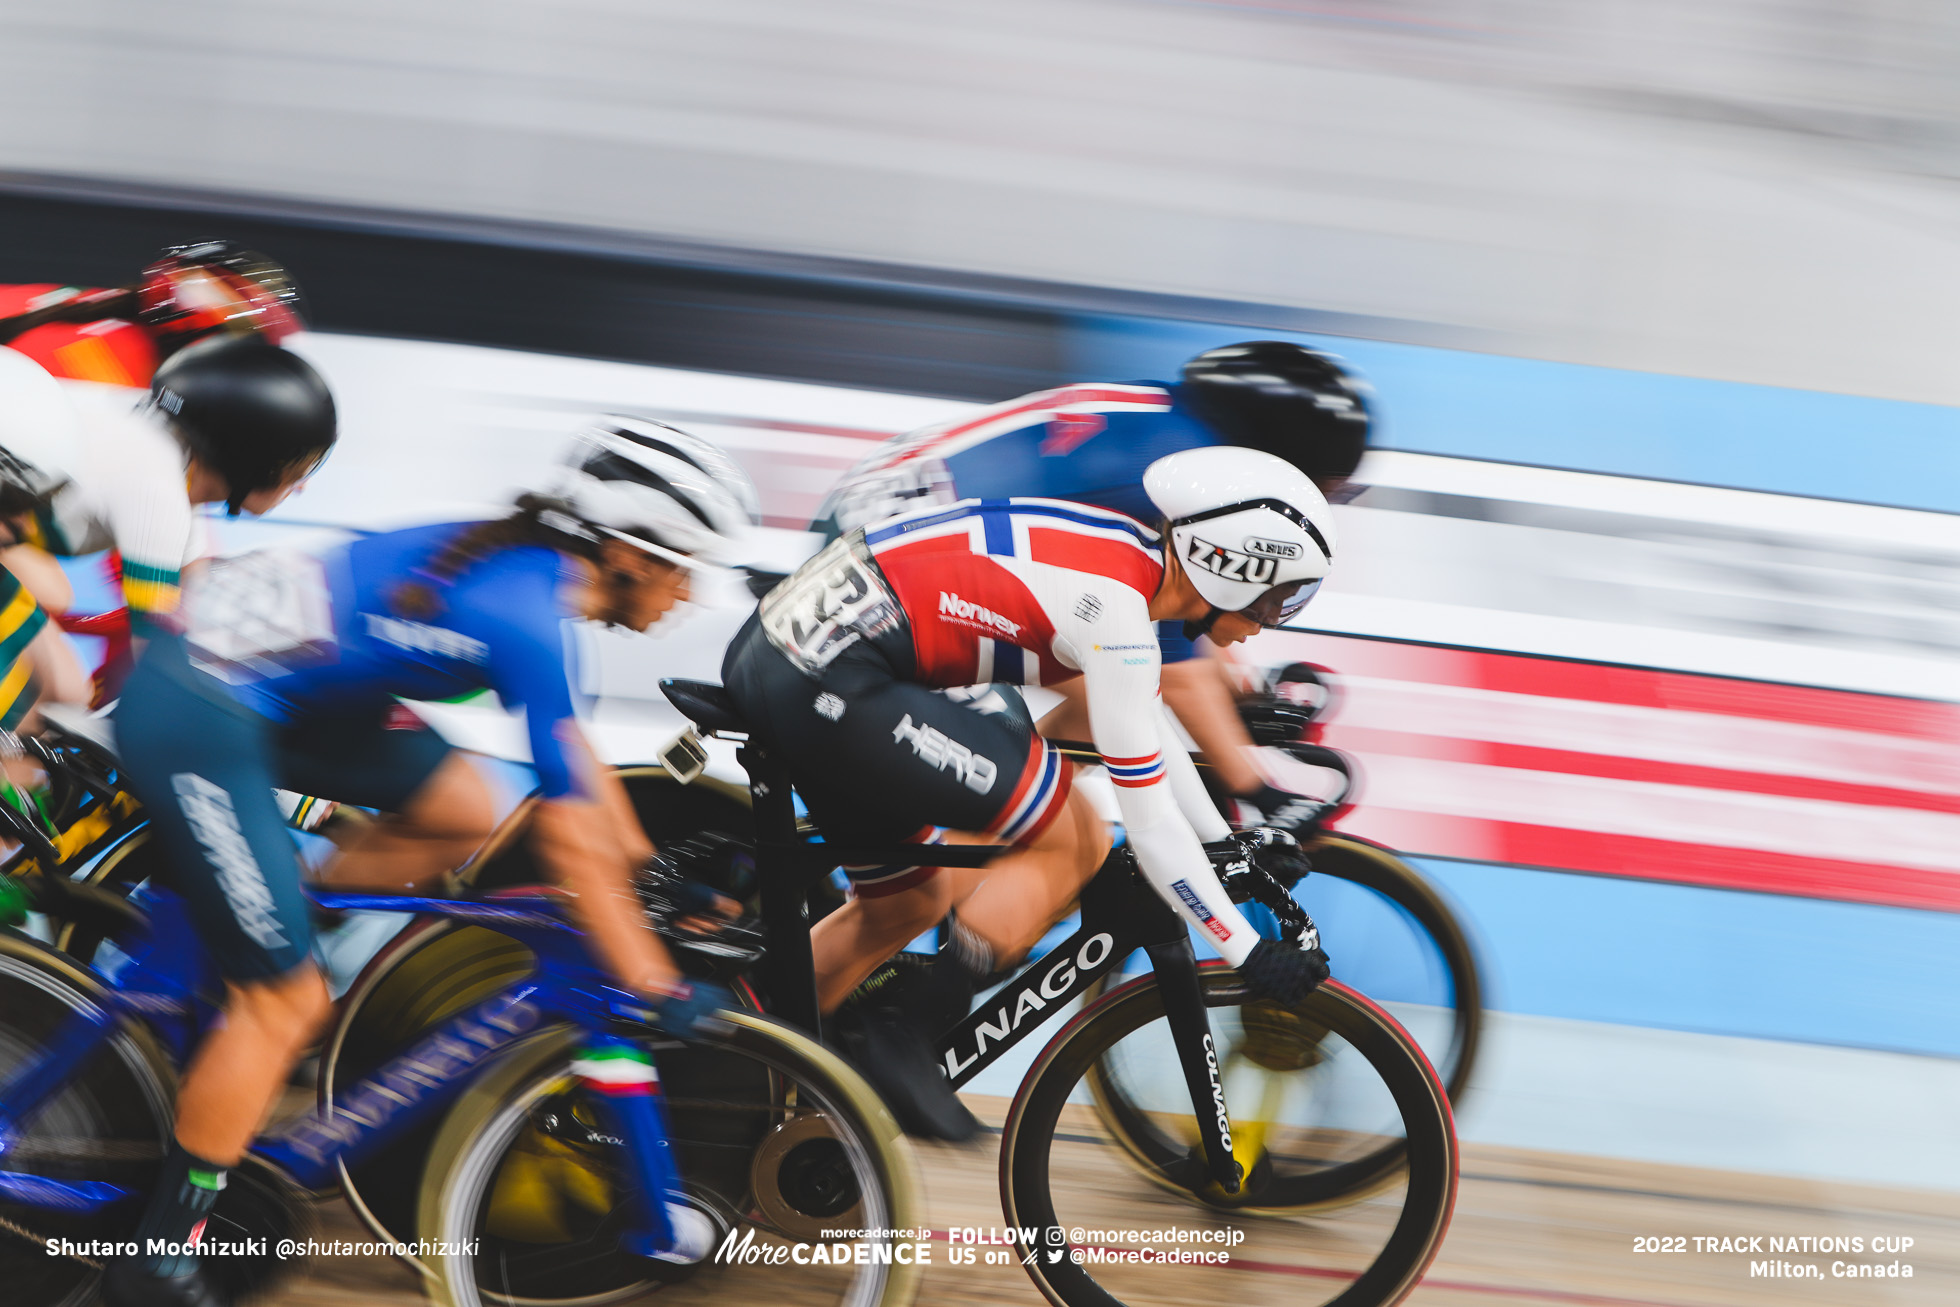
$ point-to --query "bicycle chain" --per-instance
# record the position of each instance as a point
(11, 1227)
(89, 1149)
(101, 1150)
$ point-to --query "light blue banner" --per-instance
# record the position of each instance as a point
(1516, 410)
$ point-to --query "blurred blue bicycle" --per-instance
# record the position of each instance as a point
(579, 1153)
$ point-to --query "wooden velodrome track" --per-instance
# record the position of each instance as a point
(1530, 1228)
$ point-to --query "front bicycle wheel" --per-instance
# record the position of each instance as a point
(421, 978)
(108, 1123)
(1395, 938)
(1364, 1088)
(775, 1138)
(1403, 946)
(435, 968)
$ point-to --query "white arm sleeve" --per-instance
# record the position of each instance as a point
(1117, 652)
(1192, 800)
(140, 491)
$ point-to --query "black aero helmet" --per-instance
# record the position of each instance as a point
(1285, 399)
(247, 409)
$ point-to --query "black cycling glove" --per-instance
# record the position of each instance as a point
(1283, 973)
(1272, 720)
(1266, 848)
(692, 1010)
(670, 894)
(1296, 814)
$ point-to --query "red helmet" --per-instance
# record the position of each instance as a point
(192, 291)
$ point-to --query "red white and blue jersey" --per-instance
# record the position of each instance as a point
(998, 590)
(1037, 591)
(1088, 444)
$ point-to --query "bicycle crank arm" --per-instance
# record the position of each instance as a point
(59, 1195)
(1184, 1009)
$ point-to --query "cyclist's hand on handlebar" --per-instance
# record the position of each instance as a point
(691, 1009)
(1272, 719)
(1280, 855)
(671, 896)
(1255, 840)
(1268, 848)
(1297, 814)
(1283, 972)
(703, 909)
(1286, 970)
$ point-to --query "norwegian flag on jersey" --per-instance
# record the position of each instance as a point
(960, 575)
(1656, 775)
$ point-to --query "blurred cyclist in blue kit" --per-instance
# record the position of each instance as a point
(1090, 443)
(286, 670)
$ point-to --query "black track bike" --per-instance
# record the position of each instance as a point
(1318, 1135)
(530, 1177)
(1342, 1092)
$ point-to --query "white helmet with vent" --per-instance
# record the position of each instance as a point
(661, 489)
(39, 428)
(1252, 532)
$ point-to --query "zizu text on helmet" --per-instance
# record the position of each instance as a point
(670, 493)
(1252, 532)
(1285, 399)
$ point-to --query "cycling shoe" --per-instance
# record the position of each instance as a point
(930, 990)
(896, 1058)
(126, 1282)
(695, 1236)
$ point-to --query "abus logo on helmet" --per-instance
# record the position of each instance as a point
(1271, 548)
(1230, 563)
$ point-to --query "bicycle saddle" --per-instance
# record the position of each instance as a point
(79, 724)
(87, 905)
(705, 704)
(761, 581)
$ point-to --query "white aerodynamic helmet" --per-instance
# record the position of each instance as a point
(39, 440)
(657, 487)
(1253, 533)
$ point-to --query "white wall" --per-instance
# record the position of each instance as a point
(1756, 191)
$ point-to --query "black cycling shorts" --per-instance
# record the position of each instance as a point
(205, 767)
(881, 759)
